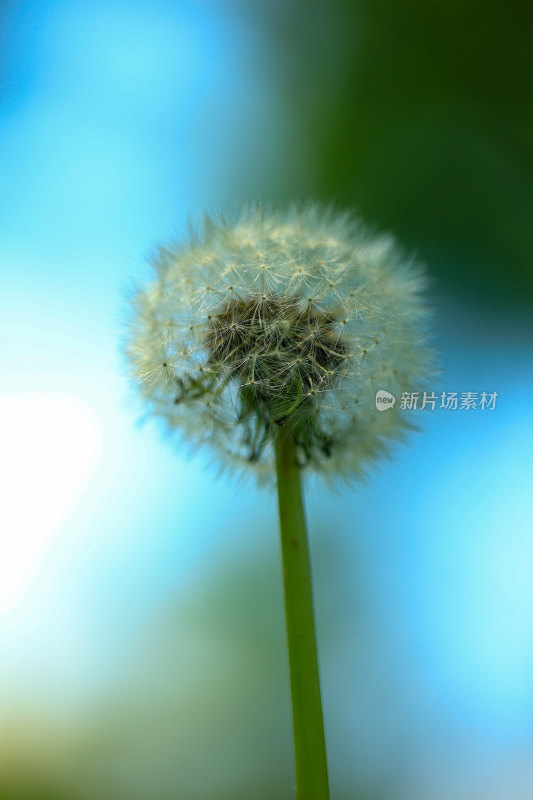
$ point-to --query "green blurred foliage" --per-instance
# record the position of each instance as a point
(421, 115)
(203, 708)
(18, 788)
(200, 707)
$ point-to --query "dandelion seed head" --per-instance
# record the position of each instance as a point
(282, 323)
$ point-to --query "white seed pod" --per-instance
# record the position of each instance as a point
(282, 323)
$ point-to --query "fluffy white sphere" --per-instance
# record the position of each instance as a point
(282, 323)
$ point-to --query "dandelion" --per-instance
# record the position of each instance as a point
(266, 337)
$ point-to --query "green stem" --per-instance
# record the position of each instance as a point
(308, 726)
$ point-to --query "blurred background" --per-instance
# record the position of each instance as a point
(142, 651)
